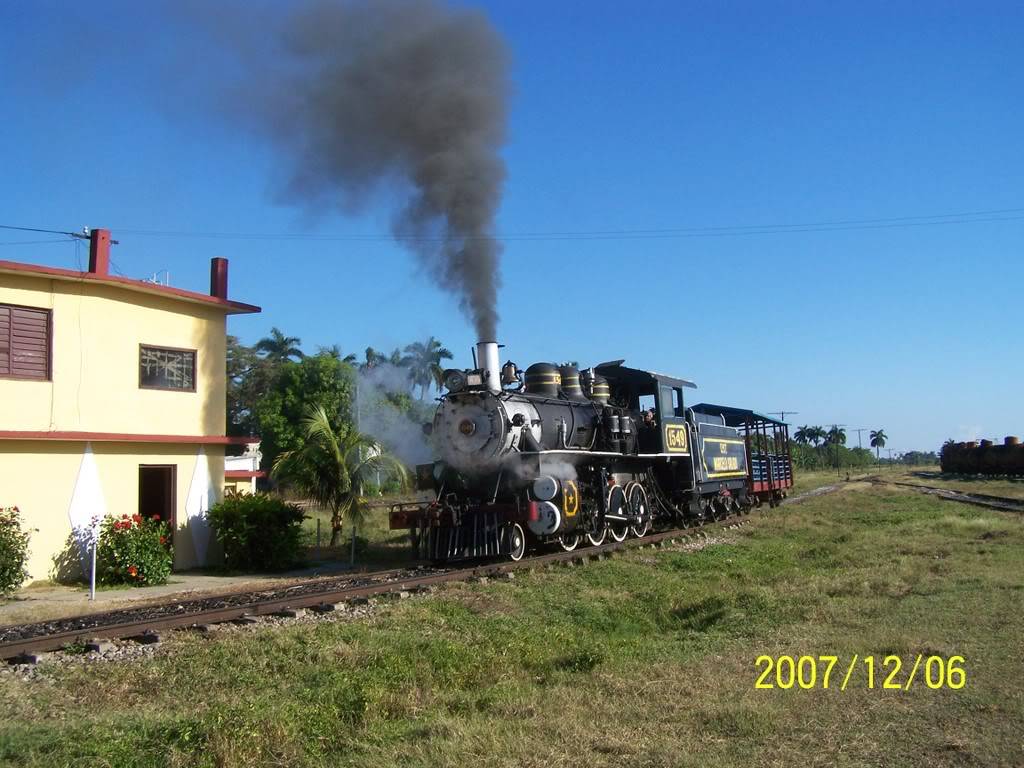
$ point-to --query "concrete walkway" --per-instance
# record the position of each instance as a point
(40, 602)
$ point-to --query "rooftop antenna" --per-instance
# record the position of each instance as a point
(782, 414)
(155, 277)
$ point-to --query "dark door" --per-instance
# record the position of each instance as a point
(156, 491)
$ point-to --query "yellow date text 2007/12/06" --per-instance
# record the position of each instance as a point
(882, 672)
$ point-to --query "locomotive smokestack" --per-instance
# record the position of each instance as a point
(488, 360)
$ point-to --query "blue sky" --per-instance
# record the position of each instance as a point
(676, 116)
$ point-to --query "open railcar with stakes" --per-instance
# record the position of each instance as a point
(558, 457)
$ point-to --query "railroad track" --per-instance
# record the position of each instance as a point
(1001, 503)
(20, 643)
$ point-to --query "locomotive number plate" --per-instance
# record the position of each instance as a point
(676, 439)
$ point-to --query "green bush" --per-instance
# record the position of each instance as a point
(257, 531)
(13, 550)
(134, 550)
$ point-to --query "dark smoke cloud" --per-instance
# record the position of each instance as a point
(401, 94)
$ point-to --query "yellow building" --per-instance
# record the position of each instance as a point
(112, 401)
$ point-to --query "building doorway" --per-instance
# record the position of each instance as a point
(157, 484)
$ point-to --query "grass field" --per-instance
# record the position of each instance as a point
(647, 659)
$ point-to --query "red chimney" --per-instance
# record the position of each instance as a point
(99, 252)
(219, 277)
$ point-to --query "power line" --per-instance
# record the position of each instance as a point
(970, 217)
(46, 231)
(736, 230)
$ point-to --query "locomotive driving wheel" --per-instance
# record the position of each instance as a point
(636, 501)
(516, 542)
(597, 537)
(569, 541)
(618, 507)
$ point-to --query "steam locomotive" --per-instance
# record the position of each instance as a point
(558, 457)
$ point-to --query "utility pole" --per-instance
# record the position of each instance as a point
(782, 414)
(858, 431)
(890, 457)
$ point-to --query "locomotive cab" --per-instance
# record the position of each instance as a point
(656, 402)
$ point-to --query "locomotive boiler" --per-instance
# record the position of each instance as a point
(558, 456)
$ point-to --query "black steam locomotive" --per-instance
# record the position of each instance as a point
(559, 457)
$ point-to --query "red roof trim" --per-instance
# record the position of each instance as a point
(231, 307)
(126, 437)
(243, 473)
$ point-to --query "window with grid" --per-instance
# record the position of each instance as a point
(167, 368)
(24, 342)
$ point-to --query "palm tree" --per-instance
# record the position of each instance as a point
(803, 435)
(279, 348)
(334, 351)
(424, 363)
(332, 467)
(878, 438)
(836, 435)
(815, 435)
(375, 359)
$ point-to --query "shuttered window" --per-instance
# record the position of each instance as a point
(24, 342)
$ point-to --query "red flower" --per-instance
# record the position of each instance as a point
(136, 518)
(124, 517)
(133, 571)
(117, 525)
(156, 517)
(163, 539)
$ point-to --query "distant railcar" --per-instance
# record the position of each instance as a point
(984, 457)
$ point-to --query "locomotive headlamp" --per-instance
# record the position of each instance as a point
(467, 427)
(454, 380)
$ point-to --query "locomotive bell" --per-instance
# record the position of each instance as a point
(509, 373)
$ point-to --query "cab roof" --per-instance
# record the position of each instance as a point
(637, 379)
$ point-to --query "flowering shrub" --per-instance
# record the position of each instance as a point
(134, 550)
(13, 550)
(257, 531)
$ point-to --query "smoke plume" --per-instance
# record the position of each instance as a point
(397, 94)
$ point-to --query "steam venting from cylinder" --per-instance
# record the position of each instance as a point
(402, 96)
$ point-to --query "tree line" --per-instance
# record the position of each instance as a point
(815, 447)
(304, 409)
